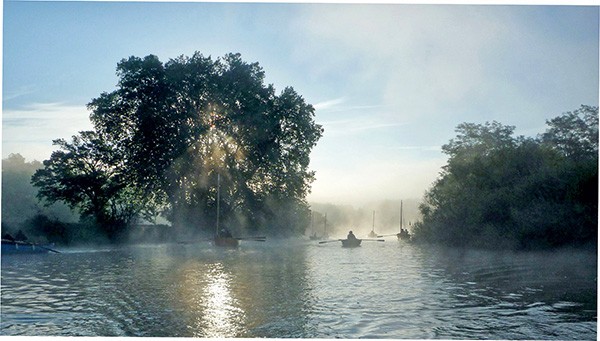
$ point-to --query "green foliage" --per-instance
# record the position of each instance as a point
(180, 123)
(52, 229)
(503, 191)
(88, 176)
(164, 134)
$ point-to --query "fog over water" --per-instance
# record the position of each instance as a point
(207, 145)
(301, 289)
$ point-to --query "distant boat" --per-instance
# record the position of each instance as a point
(403, 234)
(226, 241)
(325, 235)
(223, 238)
(20, 247)
(313, 236)
(372, 234)
(351, 242)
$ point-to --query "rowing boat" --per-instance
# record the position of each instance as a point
(351, 242)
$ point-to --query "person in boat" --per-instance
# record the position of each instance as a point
(351, 236)
(225, 233)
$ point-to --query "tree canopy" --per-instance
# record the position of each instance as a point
(162, 136)
(498, 190)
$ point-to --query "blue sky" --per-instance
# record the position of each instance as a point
(389, 82)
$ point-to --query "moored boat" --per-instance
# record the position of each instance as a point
(226, 241)
(20, 247)
(372, 234)
(403, 234)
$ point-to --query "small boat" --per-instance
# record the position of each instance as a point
(403, 234)
(351, 242)
(313, 236)
(226, 241)
(20, 247)
(372, 234)
(323, 236)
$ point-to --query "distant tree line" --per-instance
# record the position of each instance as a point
(22, 215)
(160, 140)
(502, 191)
(342, 218)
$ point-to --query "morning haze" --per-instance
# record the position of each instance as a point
(244, 170)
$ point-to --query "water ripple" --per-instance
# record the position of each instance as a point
(300, 291)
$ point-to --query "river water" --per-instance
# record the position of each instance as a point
(301, 289)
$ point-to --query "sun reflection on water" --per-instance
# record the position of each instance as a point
(211, 304)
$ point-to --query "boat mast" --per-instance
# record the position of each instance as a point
(400, 215)
(373, 229)
(218, 199)
(325, 226)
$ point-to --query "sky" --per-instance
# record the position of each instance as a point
(389, 82)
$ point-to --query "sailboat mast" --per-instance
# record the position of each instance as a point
(373, 229)
(218, 199)
(400, 215)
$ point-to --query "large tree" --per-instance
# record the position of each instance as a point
(177, 125)
(498, 190)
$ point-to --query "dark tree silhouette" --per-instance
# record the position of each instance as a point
(168, 129)
(503, 191)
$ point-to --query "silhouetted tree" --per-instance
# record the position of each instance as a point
(88, 175)
(166, 132)
(503, 191)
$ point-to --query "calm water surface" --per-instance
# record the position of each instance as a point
(300, 289)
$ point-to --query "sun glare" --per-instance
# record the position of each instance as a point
(207, 295)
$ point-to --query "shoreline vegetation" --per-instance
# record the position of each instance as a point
(148, 169)
(504, 192)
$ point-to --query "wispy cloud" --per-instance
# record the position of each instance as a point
(329, 104)
(437, 61)
(24, 130)
(16, 93)
(418, 148)
(356, 125)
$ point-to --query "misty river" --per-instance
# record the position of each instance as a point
(300, 289)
